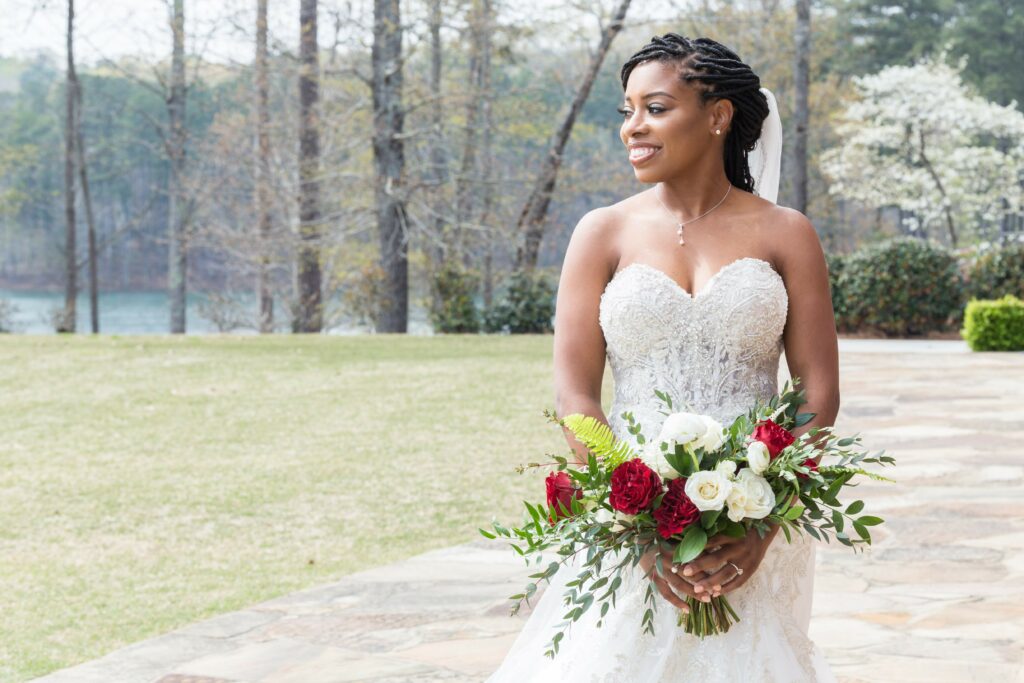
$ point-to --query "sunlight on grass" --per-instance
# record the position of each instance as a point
(148, 483)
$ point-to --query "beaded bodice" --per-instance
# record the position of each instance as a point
(715, 352)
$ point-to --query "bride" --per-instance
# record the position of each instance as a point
(694, 286)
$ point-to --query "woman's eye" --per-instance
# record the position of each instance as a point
(626, 113)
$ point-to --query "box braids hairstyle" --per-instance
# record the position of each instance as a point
(724, 76)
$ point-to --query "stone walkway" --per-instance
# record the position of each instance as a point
(938, 598)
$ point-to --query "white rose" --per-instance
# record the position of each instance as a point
(682, 429)
(726, 467)
(760, 499)
(758, 457)
(708, 490)
(737, 501)
(714, 437)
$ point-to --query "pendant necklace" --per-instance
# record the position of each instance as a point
(679, 231)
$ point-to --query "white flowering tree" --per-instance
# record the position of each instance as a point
(917, 139)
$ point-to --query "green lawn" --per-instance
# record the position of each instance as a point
(149, 482)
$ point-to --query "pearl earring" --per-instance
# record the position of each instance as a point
(718, 131)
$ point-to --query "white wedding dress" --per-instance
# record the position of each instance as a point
(718, 352)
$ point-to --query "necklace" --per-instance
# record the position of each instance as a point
(679, 231)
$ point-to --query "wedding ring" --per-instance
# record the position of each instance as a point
(739, 572)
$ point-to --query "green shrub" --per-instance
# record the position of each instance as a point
(453, 308)
(526, 308)
(901, 286)
(994, 325)
(836, 263)
(997, 272)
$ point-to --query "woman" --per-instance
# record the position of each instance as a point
(693, 286)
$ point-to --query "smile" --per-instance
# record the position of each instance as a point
(638, 155)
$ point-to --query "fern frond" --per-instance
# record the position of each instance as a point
(599, 439)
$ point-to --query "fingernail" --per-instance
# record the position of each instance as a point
(687, 571)
(718, 588)
(698, 588)
(675, 570)
(705, 598)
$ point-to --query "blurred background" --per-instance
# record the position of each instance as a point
(198, 166)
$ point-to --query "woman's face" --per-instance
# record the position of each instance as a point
(665, 127)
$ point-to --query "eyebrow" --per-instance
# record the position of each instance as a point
(653, 94)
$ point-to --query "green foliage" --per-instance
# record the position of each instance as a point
(902, 286)
(453, 308)
(526, 308)
(994, 325)
(598, 438)
(879, 34)
(997, 272)
(836, 264)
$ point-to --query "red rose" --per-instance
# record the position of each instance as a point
(676, 511)
(773, 436)
(634, 487)
(809, 464)
(560, 490)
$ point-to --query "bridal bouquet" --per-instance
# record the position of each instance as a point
(696, 480)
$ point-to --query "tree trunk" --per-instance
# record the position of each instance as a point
(487, 154)
(468, 178)
(310, 304)
(263, 168)
(176, 212)
(389, 164)
(438, 173)
(530, 226)
(83, 175)
(68, 318)
(801, 108)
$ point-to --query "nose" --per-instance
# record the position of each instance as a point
(633, 125)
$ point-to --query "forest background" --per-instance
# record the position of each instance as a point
(248, 179)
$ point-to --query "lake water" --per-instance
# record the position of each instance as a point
(139, 313)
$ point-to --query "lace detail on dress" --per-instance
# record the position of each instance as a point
(716, 352)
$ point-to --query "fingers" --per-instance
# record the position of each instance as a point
(666, 558)
(719, 582)
(666, 592)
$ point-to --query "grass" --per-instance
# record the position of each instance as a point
(150, 482)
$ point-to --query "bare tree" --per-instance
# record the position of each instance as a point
(177, 214)
(531, 220)
(309, 307)
(66, 321)
(263, 198)
(437, 174)
(90, 221)
(801, 108)
(389, 163)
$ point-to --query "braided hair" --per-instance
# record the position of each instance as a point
(721, 75)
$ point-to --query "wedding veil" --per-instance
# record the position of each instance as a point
(765, 159)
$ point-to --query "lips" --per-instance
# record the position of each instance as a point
(640, 154)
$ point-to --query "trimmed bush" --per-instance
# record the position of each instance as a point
(994, 273)
(994, 325)
(836, 263)
(900, 287)
(526, 308)
(453, 308)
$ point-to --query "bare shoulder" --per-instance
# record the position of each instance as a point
(594, 240)
(797, 244)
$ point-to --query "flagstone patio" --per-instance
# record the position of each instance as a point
(939, 597)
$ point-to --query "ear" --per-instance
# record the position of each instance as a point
(720, 118)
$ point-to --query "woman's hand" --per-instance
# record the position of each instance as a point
(729, 564)
(672, 585)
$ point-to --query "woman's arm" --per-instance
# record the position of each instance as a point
(579, 347)
(812, 348)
